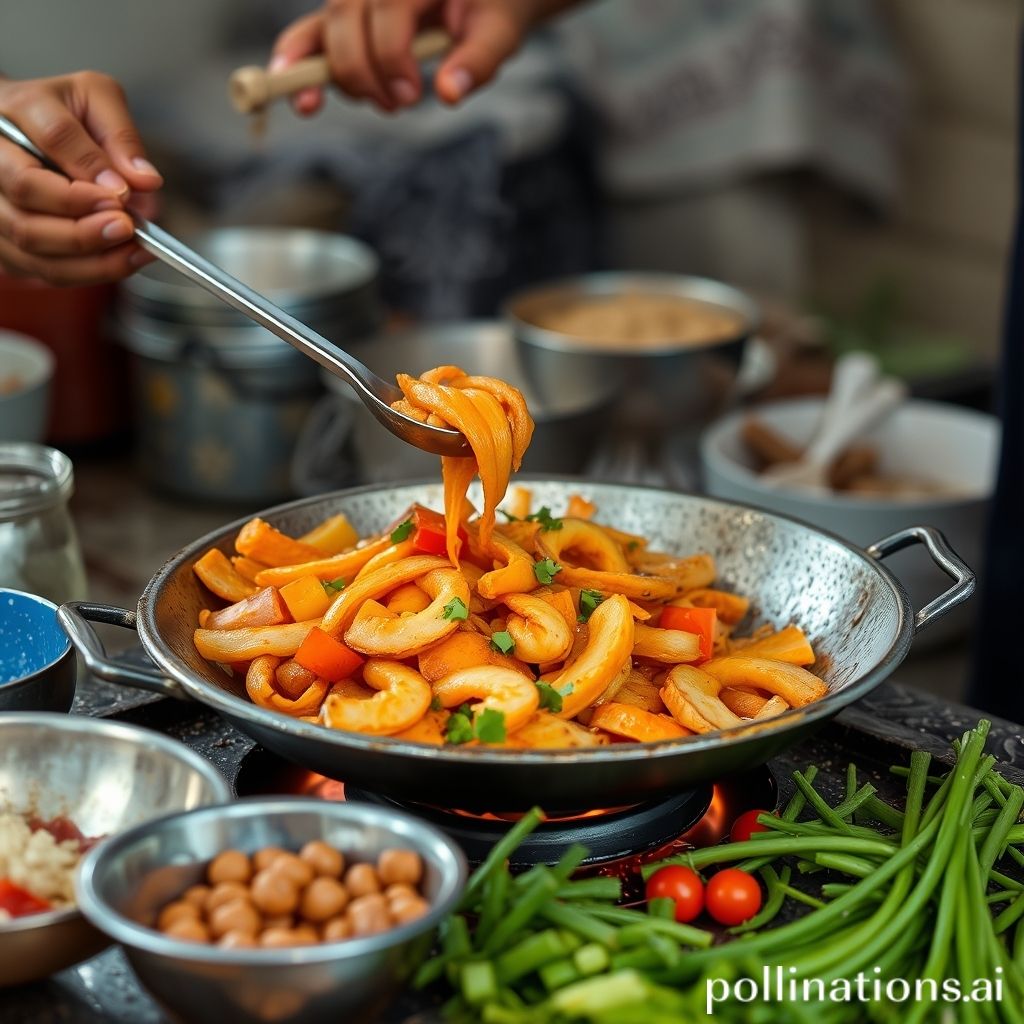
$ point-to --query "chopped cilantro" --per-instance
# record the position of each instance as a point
(464, 725)
(550, 698)
(455, 610)
(333, 586)
(546, 519)
(508, 515)
(460, 726)
(401, 531)
(435, 704)
(589, 600)
(545, 570)
(503, 642)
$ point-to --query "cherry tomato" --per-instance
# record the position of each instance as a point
(745, 825)
(733, 896)
(682, 885)
(19, 902)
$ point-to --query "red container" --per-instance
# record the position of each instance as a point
(89, 398)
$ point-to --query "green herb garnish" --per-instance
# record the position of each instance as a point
(455, 610)
(545, 570)
(489, 726)
(503, 642)
(463, 725)
(508, 515)
(459, 729)
(589, 600)
(401, 531)
(546, 519)
(550, 698)
(333, 586)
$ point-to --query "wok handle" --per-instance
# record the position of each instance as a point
(77, 617)
(943, 556)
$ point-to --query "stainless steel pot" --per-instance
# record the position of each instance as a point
(669, 384)
(220, 402)
(855, 612)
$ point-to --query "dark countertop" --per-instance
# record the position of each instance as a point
(880, 730)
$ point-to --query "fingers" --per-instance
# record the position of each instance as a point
(106, 116)
(112, 265)
(488, 36)
(349, 55)
(392, 25)
(42, 235)
(303, 38)
(35, 189)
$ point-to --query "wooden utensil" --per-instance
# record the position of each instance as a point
(252, 88)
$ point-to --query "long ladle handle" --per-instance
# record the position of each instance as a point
(239, 296)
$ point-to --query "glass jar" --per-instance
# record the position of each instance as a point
(39, 550)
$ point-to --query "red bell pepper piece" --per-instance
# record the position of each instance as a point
(18, 902)
(326, 657)
(701, 621)
(429, 534)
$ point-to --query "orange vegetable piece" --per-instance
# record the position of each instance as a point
(306, 598)
(264, 608)
(326, 657)
(259, 684)
(635, 724)
(464, 649)
(580, 508)
(220, 576)
(332, 536)
(260, 541)
(701, 621)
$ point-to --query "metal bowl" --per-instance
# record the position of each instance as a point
(124, 883)
(37, 662)
(673, 381)
(104, 776)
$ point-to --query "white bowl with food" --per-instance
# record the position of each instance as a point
(26, 371)
(929, 463)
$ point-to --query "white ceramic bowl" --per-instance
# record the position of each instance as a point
(945, 444)
(23, 410)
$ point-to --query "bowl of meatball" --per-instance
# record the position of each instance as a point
(283, 909)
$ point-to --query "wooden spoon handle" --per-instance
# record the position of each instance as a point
(252, 88)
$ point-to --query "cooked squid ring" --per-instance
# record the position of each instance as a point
(789, 645)
(742, 701)
(775, 705)
(546, 732)
(407, 598)
(637, 588)
(538, 628)
(515, 576)
(731, 608)
(795, 685)
(689, 573)
(609, 645)
(502, 689)
(406, 635)
(583, 541)
(401, 700)
(429, 729)
(636, 724)
(389, 577)
(259, 684)
(692, 697)
(641, 692)
(345, 565)
(671, 646)
(390, 555)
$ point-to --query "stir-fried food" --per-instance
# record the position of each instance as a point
(542, 631)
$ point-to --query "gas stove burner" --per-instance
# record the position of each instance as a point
(620, 838)
(608, 834)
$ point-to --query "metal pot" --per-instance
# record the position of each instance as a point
(567, 427)
(855, 612)
(663, 385)
(38, 667)
(220, 402)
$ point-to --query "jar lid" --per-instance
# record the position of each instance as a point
(33, 478)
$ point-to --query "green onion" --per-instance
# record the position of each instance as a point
(333, 586)
(455, 610)
(401, 531)
(545, 570)
(503, 642)
(589, 600)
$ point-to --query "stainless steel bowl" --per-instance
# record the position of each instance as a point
(123, 884)
(38, 665)
(672, 383)
(105, 777)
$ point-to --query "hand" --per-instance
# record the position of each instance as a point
(77, 231)
(369, 46)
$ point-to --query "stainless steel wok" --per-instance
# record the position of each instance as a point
(855, 612)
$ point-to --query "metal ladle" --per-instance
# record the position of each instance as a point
(374, 392)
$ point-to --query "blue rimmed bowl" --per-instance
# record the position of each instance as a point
(37, 662)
